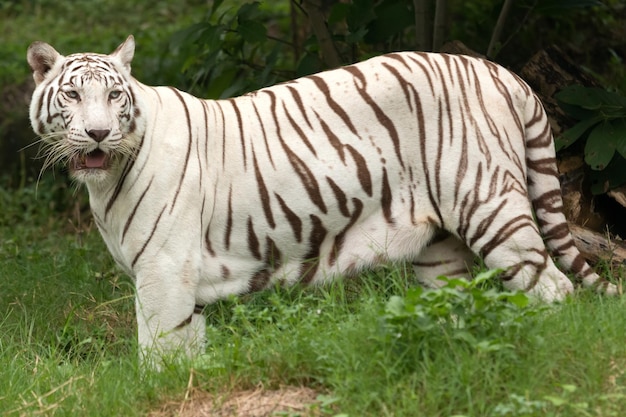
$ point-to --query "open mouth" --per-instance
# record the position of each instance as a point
(97, 159)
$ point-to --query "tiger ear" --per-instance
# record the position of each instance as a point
(41, 58)
(125, 52)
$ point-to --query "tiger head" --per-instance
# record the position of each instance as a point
(85, 109)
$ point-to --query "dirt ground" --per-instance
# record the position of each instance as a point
(287, 401)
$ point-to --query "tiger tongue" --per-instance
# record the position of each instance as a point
(95, 159)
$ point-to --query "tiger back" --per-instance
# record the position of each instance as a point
(426, 158)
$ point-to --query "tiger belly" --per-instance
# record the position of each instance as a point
(327, 253)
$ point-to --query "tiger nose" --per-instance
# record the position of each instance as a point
(98, 134)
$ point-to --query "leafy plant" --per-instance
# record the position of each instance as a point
(601, 125)
(564, 403)
(226, 53)
(461, 311)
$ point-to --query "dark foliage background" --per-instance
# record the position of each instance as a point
(223, 48)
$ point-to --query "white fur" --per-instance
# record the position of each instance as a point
(201, 227)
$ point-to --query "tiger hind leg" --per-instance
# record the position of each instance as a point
(445, 255)
(511, 241)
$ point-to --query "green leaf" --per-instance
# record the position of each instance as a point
(576, 132)
(485, 276)
(395, 306)
(568, 4)
(587, 98)
(309, 64)
(252, 31)
(189, 35)
(216, 4)
(356, 36)
(613, 176)
(577, 112)
(338, 13)
(221, 82)
(569, 387)
(519, 299)
(600, 101)
(492, 346)
(212, 36)
(552, 7)
(466, 337)
(619, 132)
(392, 17)
(455, 283)
(556, 401)
(600, 146)
(249, 11)
(360, 14)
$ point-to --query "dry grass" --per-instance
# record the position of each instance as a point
(259, 402)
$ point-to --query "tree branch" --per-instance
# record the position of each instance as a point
(497, 30)
(330, 57)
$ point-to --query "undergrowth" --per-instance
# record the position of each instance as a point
(376, 345)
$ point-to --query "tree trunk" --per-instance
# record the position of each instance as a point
(423, 26)
(439, 32)
(330, 57)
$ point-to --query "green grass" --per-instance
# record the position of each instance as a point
(374, 346)
(99, 26)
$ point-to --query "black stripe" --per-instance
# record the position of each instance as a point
(298, 130)
(401, 82)
(241, 132)
(182, 177)
(342, 201)
(229, 219)
(505, 232)
(381, 116)
(145, 244)
(386, 198)
(267, 147)
(340, 238)
(363, 174)
(311, 261)
(253, 240)
(292, 218)
(339, 111)
(263, 193)
(333, 139)
(421, 124)
(306, 176)
(296, 96)
(120, 183)
(131, 217)
(207, 240)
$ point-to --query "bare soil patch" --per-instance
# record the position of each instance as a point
(296, 401)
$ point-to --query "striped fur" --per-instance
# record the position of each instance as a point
(429, 158)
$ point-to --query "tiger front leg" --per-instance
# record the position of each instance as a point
(169, 323)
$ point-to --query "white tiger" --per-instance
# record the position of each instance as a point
(429, 158)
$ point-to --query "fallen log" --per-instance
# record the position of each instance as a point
(596, 247)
